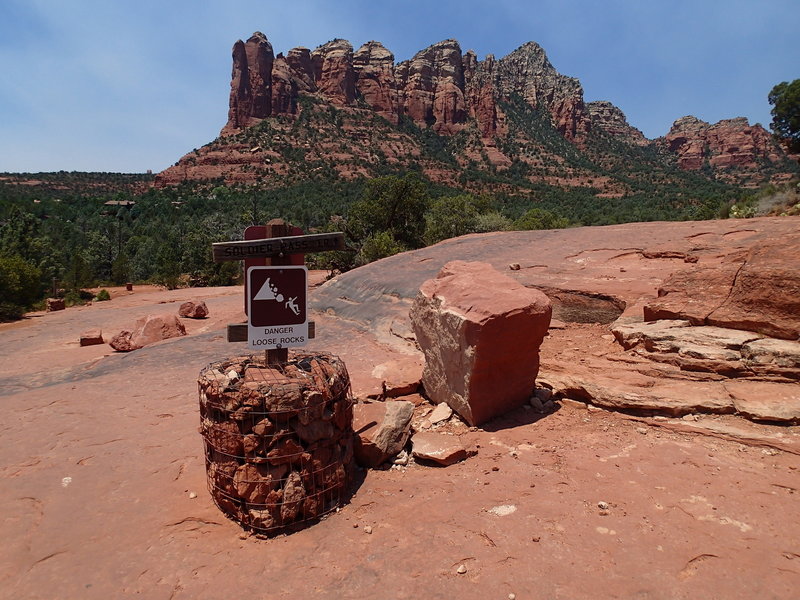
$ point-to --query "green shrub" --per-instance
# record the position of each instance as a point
(19, 287)
(377, 246)
(102, 296)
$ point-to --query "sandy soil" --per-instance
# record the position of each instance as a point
(100, 456)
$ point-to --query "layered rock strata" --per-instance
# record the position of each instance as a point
(728, 143)
(757, 292)
(278, 438)
(613, 121)
(439, 87)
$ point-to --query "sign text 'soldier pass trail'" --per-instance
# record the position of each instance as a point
(276, 286)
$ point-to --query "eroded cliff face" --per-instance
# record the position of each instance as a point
(251, 82)
(440, 87)
(728, 143)
(612, 120)
(527, 73)
(356, 105)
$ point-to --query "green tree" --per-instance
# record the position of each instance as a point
(121, 269)
(392, 204)
(785, 101)
(451, 216)
(19, 286)
(168, 269)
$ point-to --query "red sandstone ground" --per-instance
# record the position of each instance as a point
(100, 453)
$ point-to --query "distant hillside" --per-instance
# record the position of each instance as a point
(511, 126)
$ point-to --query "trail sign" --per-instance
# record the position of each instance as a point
(280, 246)
(276, 307)
(277, 247)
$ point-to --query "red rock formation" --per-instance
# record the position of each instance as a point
(728, 143)
(438, 87)
(612, 120)
(375, 80)
(759, 292)
(333, 71)
(299, 61)
(432, 87)
(251, 82)
(528, 73)
(148, 330)
(480, 332)
(284, 89)
(193, 309)
(480, 93)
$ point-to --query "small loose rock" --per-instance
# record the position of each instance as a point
(461, 569)
(367, 529)
(192, 495)
(602, 505)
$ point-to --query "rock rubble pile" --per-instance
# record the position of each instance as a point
(278, 438)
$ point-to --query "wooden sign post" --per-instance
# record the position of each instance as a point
(281, 245)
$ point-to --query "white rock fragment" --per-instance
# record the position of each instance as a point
(503, 510)
(442, 412)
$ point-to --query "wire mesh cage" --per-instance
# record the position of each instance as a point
(278, 438)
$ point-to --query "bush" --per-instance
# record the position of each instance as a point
(537, 218)
(19, 286)
(102, 296)
(380, 245)
(449, 217)
(492, 221)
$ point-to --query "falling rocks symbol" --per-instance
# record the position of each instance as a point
(279, 296)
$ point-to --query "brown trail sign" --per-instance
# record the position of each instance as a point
(277, 296)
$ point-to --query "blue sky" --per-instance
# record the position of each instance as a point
(131, 85)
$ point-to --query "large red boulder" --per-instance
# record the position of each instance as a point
(193, 309)
(480, 332)
(148, 330)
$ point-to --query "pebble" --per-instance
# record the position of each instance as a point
(512, 597)
(642, 430)
(192, 495)
(602, 505)
(461, 569)
(367, 529)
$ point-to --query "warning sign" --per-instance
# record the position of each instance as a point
(276, 307)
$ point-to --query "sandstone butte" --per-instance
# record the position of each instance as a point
(448, 91)
(656, 468)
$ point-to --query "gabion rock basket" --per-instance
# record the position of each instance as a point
(278, 438)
